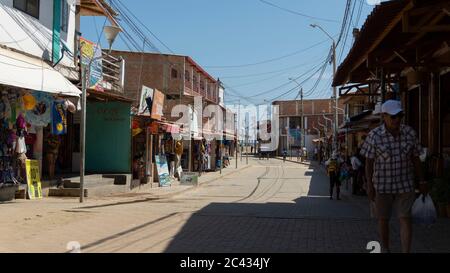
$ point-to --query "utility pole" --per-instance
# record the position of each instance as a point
(237, 133)
(335, 97)
(84, 79)
(336, 116)
(303, 136)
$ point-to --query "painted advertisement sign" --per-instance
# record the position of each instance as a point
(91, 56)
(163, 170)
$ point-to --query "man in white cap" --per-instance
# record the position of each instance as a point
(392, 157)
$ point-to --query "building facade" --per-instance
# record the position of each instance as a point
(318, 120)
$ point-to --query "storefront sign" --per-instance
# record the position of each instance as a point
(163, 170)
(189, 178)
(91, 55)
(158, 104)
(33, 179)
(146, 101)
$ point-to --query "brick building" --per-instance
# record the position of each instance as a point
(179, 77)
(314, 112)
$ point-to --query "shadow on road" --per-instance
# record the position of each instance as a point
(310, 223)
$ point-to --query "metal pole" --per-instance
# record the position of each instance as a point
(237, 133)
(190, 153)
(246, 151)
(303, 141)
(336, 99)
(221, 155)
(85, 72)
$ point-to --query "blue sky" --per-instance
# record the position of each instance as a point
(222, 33)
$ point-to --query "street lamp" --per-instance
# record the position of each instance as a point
(334, 87)
(111, 33)
(302, 124)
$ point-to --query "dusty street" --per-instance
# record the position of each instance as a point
(269, 207)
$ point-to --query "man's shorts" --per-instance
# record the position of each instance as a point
(403, 202)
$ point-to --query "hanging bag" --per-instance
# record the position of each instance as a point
(423, 211)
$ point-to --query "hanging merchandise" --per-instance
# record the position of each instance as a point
(59, 119)
(21, 125)
(70, 106)
(29, 101)
(38, 106)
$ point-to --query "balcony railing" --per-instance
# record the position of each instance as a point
(113, 73)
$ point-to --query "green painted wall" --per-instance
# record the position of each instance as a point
(108, 137)
(56, 49)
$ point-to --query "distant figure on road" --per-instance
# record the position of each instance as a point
(333, 171)
(284, 155)
(356, 173)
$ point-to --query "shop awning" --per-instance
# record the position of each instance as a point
(169, 127)
(31, 73)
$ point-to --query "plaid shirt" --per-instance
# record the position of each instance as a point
(394, 169)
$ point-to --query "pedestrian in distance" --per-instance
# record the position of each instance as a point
(333, 171)
(356, 168)
(392, 158)
(284, 155)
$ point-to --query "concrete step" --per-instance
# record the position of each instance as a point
(66, 192)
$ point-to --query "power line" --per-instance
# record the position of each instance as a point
(349, 22)
(287, 83)
(301, 83)
(271, 60)
(297, 13)
(266, 79)
(145, 27)
(271, 72)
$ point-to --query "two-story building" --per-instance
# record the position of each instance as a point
(318, 121)
(182, 81)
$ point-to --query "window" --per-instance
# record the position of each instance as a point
(65, 9)
(174, 73)
(187, 76)
(30, 7)
(202, 85)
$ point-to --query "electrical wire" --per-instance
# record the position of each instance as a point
(298, 13)
(271, 60)
(145, 26)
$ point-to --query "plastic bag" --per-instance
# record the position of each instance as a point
(423, 211)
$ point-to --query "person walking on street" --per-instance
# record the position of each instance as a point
(178, 153)
(284, 155)
(392, 157)
(333, 171)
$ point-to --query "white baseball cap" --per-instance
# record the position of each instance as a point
(392, 107)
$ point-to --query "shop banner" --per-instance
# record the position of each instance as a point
(59, 118)
(91, 55)
(158, 104)
(146, 101)
(39, 108)
(163, 170)
(33, 179)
